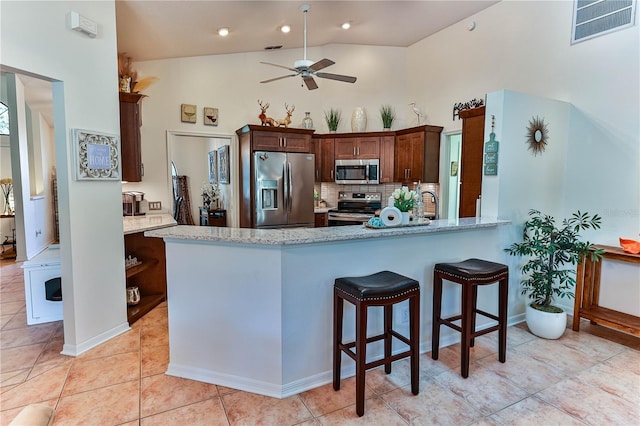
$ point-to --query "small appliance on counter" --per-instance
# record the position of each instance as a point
(131, 203)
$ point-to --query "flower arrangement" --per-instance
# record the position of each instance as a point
(7, 186)
(210, 193)
(404, 199)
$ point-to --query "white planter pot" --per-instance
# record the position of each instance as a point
(545, 324)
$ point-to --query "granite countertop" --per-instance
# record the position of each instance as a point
(293, 236)
(321, 209)
(148, 222)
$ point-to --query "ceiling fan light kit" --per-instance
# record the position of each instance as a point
(307, 68)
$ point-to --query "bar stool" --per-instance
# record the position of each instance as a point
(470, 274)
(380, 289)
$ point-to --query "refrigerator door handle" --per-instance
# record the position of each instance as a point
(289, 185)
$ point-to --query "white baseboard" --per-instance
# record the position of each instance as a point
(75, 350)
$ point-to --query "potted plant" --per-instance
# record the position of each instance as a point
(333, 119)
(387, 114)
(550, 247)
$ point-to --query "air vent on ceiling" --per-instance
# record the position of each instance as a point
(592, 18)
(273, 47)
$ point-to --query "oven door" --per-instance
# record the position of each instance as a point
(344, 219)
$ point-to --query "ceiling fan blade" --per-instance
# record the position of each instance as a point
(345, 78)
(278, 78)
(310, 82)
(322, 63)
(279, 66)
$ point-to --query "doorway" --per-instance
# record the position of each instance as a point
(30, 146)
(189, 152)
(451, 197)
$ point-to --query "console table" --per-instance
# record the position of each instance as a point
(213, 217)
(9, 240)
(588, 294)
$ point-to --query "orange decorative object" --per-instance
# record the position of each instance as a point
(630, 246)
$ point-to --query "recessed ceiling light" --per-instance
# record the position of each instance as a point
(346, 25)
(285, 28)
(223, 32)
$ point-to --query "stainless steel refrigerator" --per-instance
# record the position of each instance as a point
(283, 194)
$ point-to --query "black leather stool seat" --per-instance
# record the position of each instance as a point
(384, 289)
(470, 274)
(379, 286)
(474, 269)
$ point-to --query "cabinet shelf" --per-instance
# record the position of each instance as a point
(146, 304)
(149, 275)
(141, 267)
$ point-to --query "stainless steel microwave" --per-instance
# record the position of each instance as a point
(363, 172)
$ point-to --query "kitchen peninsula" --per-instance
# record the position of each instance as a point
(252, 309)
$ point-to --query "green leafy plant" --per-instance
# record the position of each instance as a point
(550, 247)
(333, 117)
(387, 114)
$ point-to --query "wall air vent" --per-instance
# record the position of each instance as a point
(592, 18)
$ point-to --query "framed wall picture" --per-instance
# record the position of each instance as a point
(96, 155)
(210, 116)
(213, 167)
(223, 164)
(188, 113)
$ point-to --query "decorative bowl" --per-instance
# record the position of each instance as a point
(630, 246)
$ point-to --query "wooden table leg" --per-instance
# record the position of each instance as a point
(578, 295)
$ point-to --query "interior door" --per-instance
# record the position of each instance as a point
(471, 160)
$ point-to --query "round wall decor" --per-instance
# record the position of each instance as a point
(537, 135)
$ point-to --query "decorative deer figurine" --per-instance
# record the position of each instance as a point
(266, 121)
(286, 121)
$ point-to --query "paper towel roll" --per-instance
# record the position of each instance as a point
(391, 216)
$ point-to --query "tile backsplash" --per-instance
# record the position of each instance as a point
(329, 192)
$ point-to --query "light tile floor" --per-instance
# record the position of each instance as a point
(578, 379)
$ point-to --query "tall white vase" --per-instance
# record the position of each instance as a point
(359, 120)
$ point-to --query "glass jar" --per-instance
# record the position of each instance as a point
(307, 121)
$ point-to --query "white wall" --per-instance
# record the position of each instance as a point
(592, 162)
(84, 72)
(231, 84)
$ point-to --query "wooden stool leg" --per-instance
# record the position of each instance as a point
(414, 337)
(388, 316)
(361, 355)
(502, 314)
(467, 312)
(474, 307)
(437, 305)
(338, 304)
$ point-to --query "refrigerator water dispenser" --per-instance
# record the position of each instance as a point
(269, 192)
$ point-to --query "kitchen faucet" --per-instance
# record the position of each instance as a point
(435, 200)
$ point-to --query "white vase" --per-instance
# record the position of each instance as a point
(406, 216)
(547, 325)
(359, 120)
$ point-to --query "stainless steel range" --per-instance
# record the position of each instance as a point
(354, 208)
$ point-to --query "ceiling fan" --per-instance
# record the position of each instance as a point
(307, 68)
